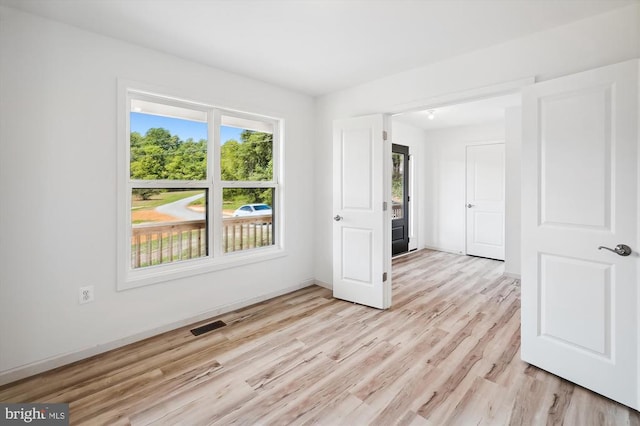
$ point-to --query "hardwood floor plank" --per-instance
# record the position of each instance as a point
(499, 367)
(445, 353)
(337, 412)
(413, 388)
(282, 391)
(397, 365)
(328, 389)
(484, 403)
(467, 363)
(588, 411)
(532, 402)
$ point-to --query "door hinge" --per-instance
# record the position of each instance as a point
(408, 197)
(384, 206)
(384, 277)
(384, 135)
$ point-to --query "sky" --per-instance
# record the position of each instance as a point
(185, 129)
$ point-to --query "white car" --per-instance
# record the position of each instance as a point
(253, 210)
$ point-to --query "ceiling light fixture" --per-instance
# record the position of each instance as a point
(431, 114)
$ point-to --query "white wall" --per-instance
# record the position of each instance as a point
(58, 193)
(414, 138)
(513, 147)
(445, 182)
(605, 39)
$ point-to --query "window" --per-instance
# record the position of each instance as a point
(248, 187)
(201, 188)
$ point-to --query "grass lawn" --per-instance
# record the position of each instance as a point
(145, 207)
(162, 198)
(233, 204)
(226, 205)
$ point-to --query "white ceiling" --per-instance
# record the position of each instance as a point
(315, 46)
(477, 112)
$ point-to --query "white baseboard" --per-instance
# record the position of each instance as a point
(512, 275)
(323, 284)
(444, 250)
(68, 358)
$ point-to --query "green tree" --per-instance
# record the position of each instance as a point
(188, 162)
(397, 177)
(149, 163)
(256, 155)
(247, 160)
(230, 163)
(160, 155)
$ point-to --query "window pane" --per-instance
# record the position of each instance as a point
(247, 218)
(247, 150)
(167, 225)
(397, 186)
(167, 142)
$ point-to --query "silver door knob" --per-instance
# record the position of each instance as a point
(337, 218)
(470, 205)
(620, 249)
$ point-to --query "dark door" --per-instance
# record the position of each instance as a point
(400, 200)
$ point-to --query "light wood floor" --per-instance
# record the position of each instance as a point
(446, 353)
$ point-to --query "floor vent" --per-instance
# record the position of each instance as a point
(207, 327)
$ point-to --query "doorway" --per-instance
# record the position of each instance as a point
(439, 139)
(400, 199)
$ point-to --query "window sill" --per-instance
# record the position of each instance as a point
(188, 268)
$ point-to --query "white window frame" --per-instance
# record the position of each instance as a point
(215, 259)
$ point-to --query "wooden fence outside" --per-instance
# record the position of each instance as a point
(165, 242)
(396, 210)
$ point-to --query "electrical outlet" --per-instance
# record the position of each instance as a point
(86, 294)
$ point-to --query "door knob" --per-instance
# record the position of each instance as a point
(470, 205)
(620, 249)
(337, 218)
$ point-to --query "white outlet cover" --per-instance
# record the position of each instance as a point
(86, 294)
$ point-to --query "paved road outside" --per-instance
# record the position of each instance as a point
(179, 209)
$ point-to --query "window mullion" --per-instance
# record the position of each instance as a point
(248, 184)
(162, 184)
(277, 153)
(215, 211)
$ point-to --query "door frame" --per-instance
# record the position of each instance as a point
(453, 98)
(469, 95)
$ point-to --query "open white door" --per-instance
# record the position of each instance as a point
(361, 223)
(580, 192)
(485, 200)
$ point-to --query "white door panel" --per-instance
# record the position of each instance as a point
(357, 262)
(576, 189)
(584, 326)
(579, 192)
(361, 227)
(485, 200)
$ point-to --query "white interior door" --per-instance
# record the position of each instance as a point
(579, 192)
(485, 200)
(361, 225)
